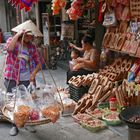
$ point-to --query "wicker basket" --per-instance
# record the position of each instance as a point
(29, 123)
(135, 8)
(95, 128)
(111, 122)
(3, 118)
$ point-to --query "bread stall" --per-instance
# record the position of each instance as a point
(116, 86)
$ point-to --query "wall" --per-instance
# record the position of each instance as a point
(99, 30)
(10, 16)
(3, 23)
(7, 16)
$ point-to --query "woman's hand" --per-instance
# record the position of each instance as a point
(32, 77)
(75, 47)
(78, 66)
(71, 45)
(21, 32)
(80, 60)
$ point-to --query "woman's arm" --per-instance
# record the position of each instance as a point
(85, 64)
(75, 47)
(37, 60)
(92, 62)
(12, 43)
(89, 64)
(36, 70)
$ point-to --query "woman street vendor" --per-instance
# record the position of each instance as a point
(88, 63)
(22, 62)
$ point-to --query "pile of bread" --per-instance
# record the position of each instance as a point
(118, 70)
(24, 113)
(21, 116)
(84, 80)
(121, 40)
(51, 112)
(99, 91)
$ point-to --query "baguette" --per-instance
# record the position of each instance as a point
(79, 105)
(103, 98)
(97, 96)
(104, 81)
(88, 104)
(118, 98)
(128, 65)
(71, 79)
(93, 86)
(121, 96)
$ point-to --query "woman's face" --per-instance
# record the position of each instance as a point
(28, 38)
(84, 45)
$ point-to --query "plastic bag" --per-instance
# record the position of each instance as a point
(23, 97)
(109, 19)
(50, 108)
(21, 115)
(25, 108)
(51, 112)
(29, 109)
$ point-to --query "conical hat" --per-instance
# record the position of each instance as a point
(28, 26)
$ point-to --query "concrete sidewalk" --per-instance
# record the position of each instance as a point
(65, 128)
(59, 75)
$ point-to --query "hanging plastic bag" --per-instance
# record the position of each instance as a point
(50, 108)
(109, 19)
(32, 90)
(25, 109)
(21, 115)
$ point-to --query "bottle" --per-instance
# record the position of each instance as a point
(103, 58)
(113, 104)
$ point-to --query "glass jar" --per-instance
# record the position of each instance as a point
(113, 104)
(103, 58)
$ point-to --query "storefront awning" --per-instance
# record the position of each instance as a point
(27, 4)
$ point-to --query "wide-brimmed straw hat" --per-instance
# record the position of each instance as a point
(28, 26)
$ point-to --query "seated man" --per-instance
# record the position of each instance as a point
(86, 64)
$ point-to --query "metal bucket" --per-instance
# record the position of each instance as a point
(133, 134)
(133, 127)
(129, 112)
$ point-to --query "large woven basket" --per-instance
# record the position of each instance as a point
(29, 123)
(3, 118)
(135, 8)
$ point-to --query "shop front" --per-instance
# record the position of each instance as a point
(97, 100)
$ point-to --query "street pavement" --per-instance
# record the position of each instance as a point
(65, 128)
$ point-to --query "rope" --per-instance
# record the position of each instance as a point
(10, 79)
(18, 76)
(53, 81)
(56, 87)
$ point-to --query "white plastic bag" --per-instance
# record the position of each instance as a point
(109, 19)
